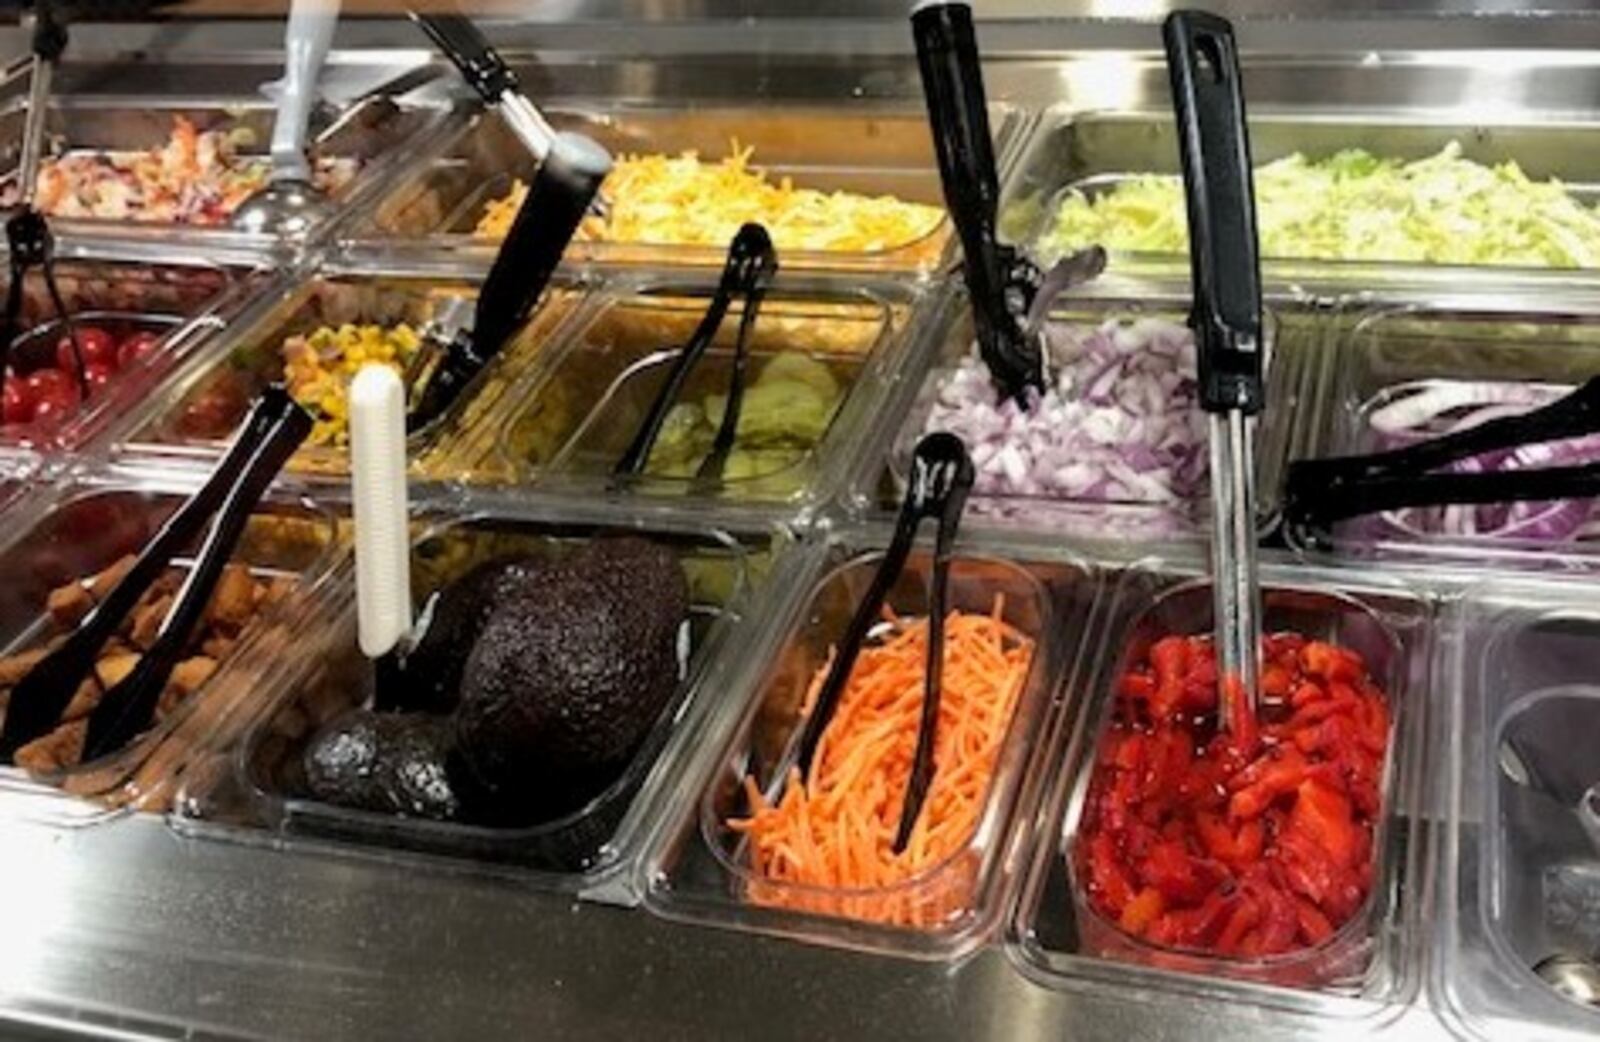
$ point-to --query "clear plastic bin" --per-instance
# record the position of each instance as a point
(1520, 872)
(570, 422)
(698, 870)
(1381, 355)
(176, 303)
(374, 133)
(197, 412)
(872, 152)
(260, 794)
(1290, 337)
(1364, 971)
(82, 532)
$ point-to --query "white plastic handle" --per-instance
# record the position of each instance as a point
(378, 485)
(305, 48)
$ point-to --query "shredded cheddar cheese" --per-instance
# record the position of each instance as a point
(683, 200)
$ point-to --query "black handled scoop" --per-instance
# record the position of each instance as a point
(941, 478)
(562, 190)
(1000, 283)
(1203, 63)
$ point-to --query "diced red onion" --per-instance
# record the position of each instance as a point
(1120, 422)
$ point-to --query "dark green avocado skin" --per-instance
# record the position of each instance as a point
(394, 763)
(573, 666)
(433, 668)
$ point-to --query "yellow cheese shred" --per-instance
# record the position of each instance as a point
(684, 200)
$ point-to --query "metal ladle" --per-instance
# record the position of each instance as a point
(291, 204)
(1575, 976)
(1520, 755)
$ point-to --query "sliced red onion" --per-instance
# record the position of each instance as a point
(1120, 422)
(1437, 399)
(1443, 406)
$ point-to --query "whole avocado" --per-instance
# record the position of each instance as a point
(433, 668)
(395, 763)
(574, 666)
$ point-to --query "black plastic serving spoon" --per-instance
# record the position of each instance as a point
(941, 478)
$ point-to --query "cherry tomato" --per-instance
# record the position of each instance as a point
(100, 376)
(18, 404)
(135, 347)
(96, 344)
(54, 405)
(41, 382)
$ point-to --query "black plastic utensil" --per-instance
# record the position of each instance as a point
(1000, 283)
(751, 265)
(489, 76)
(941, 478)
(28, 237)
(1208, 97)
(127, 708)
(563, 187)
(1322, 491)
(40, 697)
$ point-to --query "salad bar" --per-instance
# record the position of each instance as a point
(408, 635)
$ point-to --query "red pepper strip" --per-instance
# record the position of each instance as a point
(1180, 878)
(1330, 662)
(1276, 682)
(1237, 849)
(1169, 657)
(1314, 926)
(1144, 909)
(1243, 920)
(1323, 815)
(1138, 685)
(1107, 881)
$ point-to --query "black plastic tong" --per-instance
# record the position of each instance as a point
(271, 432)
(563, 187)
(1320, 492)
(751, 266)
(28, 237)
(941, 478)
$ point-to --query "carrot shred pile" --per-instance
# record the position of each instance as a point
(836, 830)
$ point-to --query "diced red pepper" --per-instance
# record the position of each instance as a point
(1138, 685)
(1330, 662)
(1145, 908)
(1245, 916)
(1314, 926)
(1244, 842)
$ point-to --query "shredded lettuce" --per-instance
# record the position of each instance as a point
(1356, 206)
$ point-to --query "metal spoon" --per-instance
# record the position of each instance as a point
(291, 204)
(1576, 977)
(1226, 318)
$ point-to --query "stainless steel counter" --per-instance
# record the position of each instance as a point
(130, 929)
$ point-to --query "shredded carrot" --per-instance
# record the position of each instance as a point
(836, 830)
